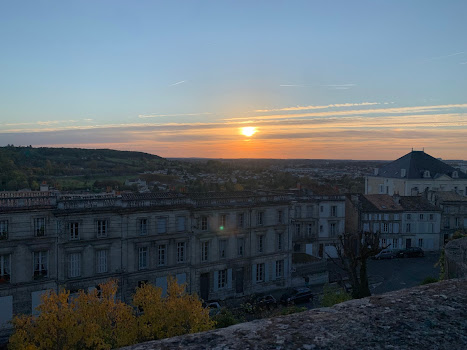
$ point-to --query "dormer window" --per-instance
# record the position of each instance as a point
(426, 173)
(455, 174)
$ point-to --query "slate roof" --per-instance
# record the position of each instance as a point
(417, 203)
(379, 202)
(450, 196)
(415, 163)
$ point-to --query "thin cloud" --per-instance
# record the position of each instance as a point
(178, 83)
(445, 56)
(463, 63)
(292, 85)
(340, 85)
(144, 116)
(304, 108)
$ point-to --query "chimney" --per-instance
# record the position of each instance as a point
(397, 198)
(376, 171)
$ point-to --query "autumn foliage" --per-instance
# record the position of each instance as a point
(100, 321)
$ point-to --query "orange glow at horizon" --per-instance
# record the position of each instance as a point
(248, 130)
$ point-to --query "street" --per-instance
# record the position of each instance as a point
(394, 274)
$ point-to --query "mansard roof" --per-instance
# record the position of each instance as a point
(416, 163)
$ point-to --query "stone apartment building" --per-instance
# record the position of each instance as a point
(454, 211)
(221, 244)
(416, 173)
(318, 221)
(403, 222)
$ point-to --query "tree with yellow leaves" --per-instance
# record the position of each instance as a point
(176, 314)
(88, 321)
(99, 321)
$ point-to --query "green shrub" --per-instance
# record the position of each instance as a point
(225, 319)
(429, 280)
(333, 296)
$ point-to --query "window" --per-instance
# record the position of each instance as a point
(142, 258)
(222, 279)
(421, 216)
(161, 225)
(259, 243)
(279, 268)
(161, 255)
(280, 216)
(39, 227)
(241, 220)
(297, 229)
(381, 189)
(101, 228)
(181, 225)
(420, 242)
(101, 257)
(74, 230)
(5, 269)
(396, 216)
(309, 211)
(298, 211)
(457, 222)
(321, 209)
(74, 265)
(431, 216)
(205, 251)
(259, 218)
(260, 272)
(426, 173)
(279, 241)
(332, 229)
(204, 223)
(383, 242)
(3, 229)
(181, 247)
(240, 246)
(446, 223)
(407, 228)
(409, 217)
(309, 229)
(385, 228)
(395, 244)
(334, 210)
(222, 249)
(40, 264)
(321, 228)
(386, 217)
(143, 227)
(222, 221)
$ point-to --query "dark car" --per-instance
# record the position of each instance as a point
(298, 295)
(268, 301)
(410, 252)
(384, 254)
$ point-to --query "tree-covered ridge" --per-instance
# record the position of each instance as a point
(26, 167)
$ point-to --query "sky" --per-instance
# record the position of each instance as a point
(310, 79)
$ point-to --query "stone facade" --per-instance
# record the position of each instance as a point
(222, 245)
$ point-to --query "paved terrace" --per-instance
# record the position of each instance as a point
(433, 316)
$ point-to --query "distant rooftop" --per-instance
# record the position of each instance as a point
(415, 165)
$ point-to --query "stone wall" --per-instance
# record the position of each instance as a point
(456, 258)
(433, 316)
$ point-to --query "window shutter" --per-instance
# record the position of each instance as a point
(216, 281)
(273, 271)
(266, 272)
(286, 269)
(229, 278)
(253, 274)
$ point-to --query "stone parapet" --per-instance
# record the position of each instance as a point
(433, 316)
(456, 258)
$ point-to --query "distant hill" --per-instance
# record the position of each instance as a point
(25, 167)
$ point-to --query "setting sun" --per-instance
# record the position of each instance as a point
(248, 130)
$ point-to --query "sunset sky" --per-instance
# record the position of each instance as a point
(311, 79)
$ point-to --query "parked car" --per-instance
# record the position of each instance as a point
(213, 306)
(298, 295)
(384, 254)
(268, 301)
(410, 252)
